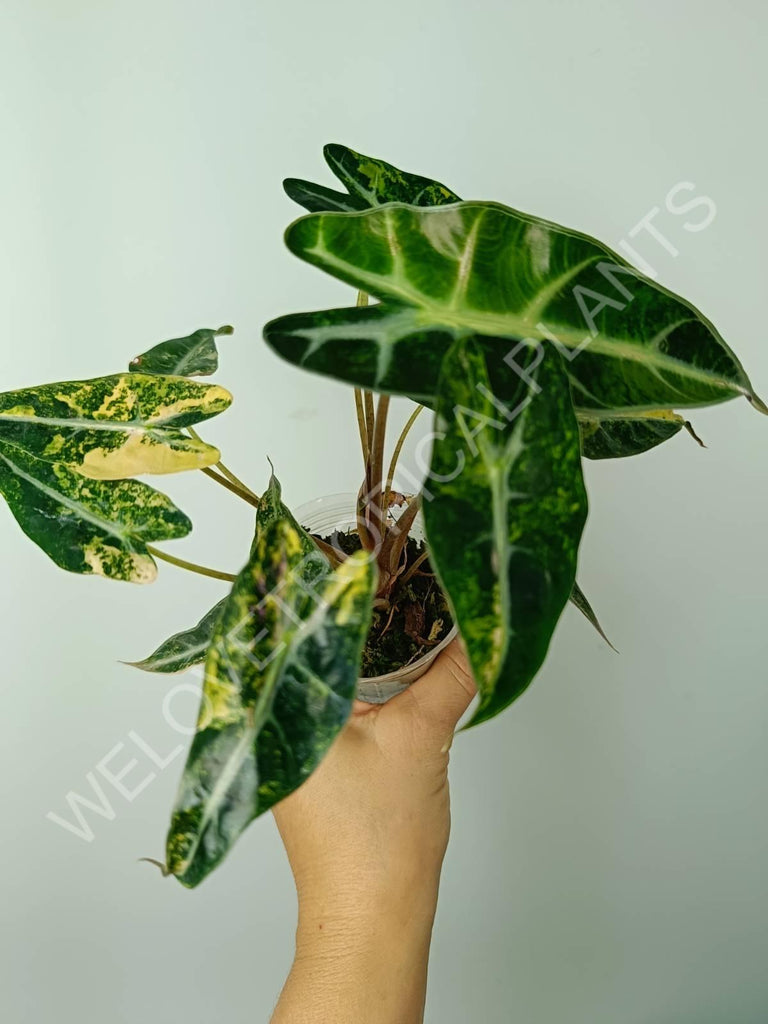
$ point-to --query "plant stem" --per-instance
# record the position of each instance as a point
(397, 537)
(242, 489)
(180, 563)
(235, 480)
(362, 427)
(334, 557)
(248, 496)
(410, 572)
(363, 532)
(376, 495)
(399, 447)
(366, 420)
(369, 417)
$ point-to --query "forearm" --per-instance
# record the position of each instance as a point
(366, 835)
(363, 961)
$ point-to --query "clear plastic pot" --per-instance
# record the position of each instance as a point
(337, 512)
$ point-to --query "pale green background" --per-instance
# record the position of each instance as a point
(608, 861)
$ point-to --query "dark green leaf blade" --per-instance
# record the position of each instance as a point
(371, 182)
(318, 198)
(382, 348)
(376, 182)
(110, 428)
(184, 649)
(617, 437)
(507, 511)
(92, 527)
(193, 356)
(280, 680)
(481, 268)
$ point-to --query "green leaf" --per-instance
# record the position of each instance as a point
(377, 182)
(279, 683)
(184, 649)
(88, 526)
(194, 356)
(114, 427)
(507, 511)
(579, 600)
(272, 508)
(618, 436)
(514, 280)
(317, 198)
(370, 182)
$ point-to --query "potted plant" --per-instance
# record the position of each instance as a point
(532, 345)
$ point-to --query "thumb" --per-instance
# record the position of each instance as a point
(446, 689)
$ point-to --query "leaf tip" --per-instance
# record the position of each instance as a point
(689, 427)
(164, 869)
(332, 149)
(758, 403)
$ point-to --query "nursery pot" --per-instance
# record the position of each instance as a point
(323, 516)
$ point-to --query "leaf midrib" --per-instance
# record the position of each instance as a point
(427, 314)
(76, 423)
(104, 524)
(256, 716)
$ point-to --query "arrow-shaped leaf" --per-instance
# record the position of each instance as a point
(507, 511)
(114, 427)
(513, 279)
(184, 649)
(621, 435)
(279, 683)
(194, 356)
(272, 508)
(377, 182)
(88, 526)
(370, 182)
(190, 646)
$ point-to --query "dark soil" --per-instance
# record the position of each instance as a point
(414, 619)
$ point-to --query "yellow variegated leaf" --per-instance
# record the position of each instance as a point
(280, 678)
(92, 527)
(114, 427)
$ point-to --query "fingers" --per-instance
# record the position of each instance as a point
(446, 690)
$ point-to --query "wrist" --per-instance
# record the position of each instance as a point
(361, 911)
(365, 956)
(357, 899)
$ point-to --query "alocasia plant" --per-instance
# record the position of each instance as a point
(534, 346)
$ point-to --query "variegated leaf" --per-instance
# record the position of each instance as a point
(182, 650)
(377, 182)
(513, 280)
(114, 427)
(618, 436)
(88, 526)
(194, 356)
(370, 182)
(272, 508)
(507, 511)
(279, 683)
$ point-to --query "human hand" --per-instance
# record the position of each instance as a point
(365, 836)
